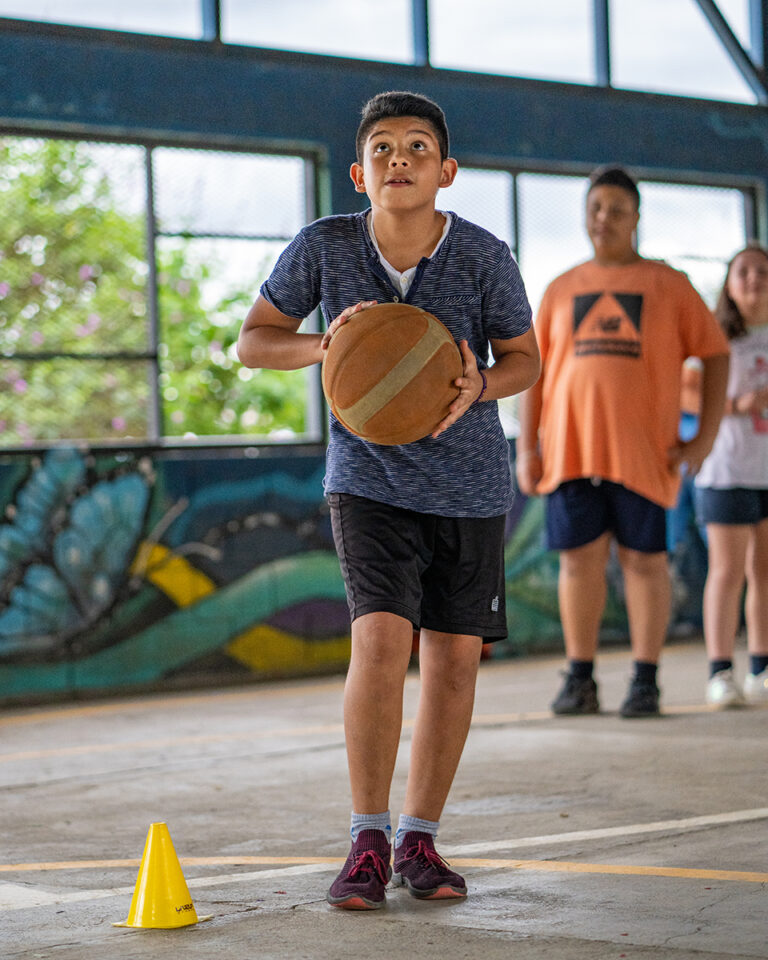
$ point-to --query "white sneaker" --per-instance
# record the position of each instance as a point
(756, 687)
(723, 692)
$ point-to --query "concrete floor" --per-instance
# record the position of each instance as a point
(586, 838)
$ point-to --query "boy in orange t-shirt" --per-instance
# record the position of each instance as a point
(599, 433)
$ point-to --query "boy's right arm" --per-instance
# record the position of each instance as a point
(270, 339)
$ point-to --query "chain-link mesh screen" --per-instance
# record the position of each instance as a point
(548, 38)
(92, 349)
(340, 27)
(73, 291)
(174, 18)
(694, 228)
(87, 353)
(222, 220)
(485, 197)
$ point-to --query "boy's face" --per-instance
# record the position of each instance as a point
(402, 169)
(612, 218)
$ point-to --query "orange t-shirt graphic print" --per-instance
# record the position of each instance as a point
(606, 323)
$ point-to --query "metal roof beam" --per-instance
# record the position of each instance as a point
(83, 82)
(753, 74)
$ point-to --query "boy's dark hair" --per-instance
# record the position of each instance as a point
(401, 103)
(727, 313)
(614, 177)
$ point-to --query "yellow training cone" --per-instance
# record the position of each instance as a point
(161, 898)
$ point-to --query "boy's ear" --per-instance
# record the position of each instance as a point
(449, 171)
(356, 173)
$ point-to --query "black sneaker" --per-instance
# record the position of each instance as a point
(642, 700)
(577, 696)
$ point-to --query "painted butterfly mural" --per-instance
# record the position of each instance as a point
(66, 543)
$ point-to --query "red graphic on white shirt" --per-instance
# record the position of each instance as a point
(759, 380)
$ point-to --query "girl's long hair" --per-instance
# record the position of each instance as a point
(726, 311)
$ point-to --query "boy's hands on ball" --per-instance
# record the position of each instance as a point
(342, 319)
(470, 386)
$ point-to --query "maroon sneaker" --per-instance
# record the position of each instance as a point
(361, 883)
(420, 867)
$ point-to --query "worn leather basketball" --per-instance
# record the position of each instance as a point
(389, 371)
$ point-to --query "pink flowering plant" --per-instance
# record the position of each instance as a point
(75, 315)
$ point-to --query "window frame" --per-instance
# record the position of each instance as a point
(314, 164)
(315, 188)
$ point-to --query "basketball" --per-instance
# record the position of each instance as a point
(388, 373)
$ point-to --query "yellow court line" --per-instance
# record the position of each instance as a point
(184, 861)
(77, 713)
(182, 699)
(495, 719)
(547, 866)
(563, 866)
(84, 749)
(254, 691)
(165, 742)
(479, 720)
(141, 702)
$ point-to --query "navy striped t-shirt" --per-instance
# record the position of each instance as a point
(473, 285)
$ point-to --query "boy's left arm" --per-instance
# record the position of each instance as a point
(516, 367)
(714, 384)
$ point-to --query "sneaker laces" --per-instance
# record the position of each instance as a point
(427, 853)
(369, 860)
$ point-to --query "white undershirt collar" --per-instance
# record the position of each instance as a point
(402, 280)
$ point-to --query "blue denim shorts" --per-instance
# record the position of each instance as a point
(734, 505)
(580, 511)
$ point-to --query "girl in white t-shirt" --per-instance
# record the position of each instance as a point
(732, 490)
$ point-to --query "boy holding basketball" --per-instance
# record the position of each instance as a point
(419, 528)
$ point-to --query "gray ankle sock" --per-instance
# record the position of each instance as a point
(405, 824)
(370, 821)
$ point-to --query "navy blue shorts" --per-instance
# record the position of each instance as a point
(735, 505)
(441, 573)
(580, 511)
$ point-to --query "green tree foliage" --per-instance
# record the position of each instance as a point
(75, 338)
(205, 389)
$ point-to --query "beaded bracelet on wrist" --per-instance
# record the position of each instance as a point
(479, 397)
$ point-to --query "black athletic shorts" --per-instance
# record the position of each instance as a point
(441, 573)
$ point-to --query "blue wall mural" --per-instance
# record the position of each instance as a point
(133, 569)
